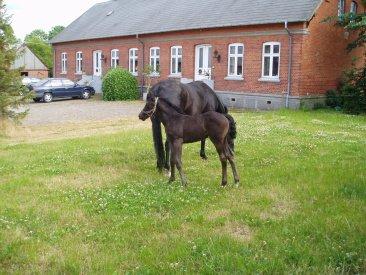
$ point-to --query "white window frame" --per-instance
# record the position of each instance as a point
(134, 58)
(271, 55)
(236, 56)
(341, 7)
(154, 57)
(174, 71)
(354, 7)
(64, 63)
(79, 62)
(114, 58)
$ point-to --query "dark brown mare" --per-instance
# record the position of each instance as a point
(181, 128)
(193, 98)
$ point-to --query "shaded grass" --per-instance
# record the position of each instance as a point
(96, 204)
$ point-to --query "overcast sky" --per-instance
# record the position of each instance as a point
(44, 14)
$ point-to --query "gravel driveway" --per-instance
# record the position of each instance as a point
(65, 111)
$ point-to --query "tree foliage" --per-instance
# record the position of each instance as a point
(38, 42)
(55, 31)
(12, 94)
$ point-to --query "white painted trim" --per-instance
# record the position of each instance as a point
(64, 63)
(176, 57)
(234, 78)
(114, 58)
(236, 55)
(78, 69)
(270, 79)
(134, 57)
(271, 55)
(154, 57)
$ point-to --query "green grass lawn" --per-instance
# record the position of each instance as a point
(97, 205)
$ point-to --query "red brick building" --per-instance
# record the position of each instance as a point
(256, 54)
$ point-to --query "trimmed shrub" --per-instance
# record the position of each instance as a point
(119, 85)
(351, 95)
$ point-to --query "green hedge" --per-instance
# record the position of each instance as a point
(119, 84)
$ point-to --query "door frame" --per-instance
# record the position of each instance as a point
(94, 63)
(205, 60)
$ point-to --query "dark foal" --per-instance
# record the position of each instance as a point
(181, 128)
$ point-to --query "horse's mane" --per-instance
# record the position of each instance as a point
(171, 105)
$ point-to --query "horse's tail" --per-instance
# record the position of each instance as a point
(221, 108)
(232, 132)
(158, 142)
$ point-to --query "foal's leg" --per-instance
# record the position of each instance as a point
(203, 152)
(220, 150)
(167, 155)
(177, 145)
(233, 167)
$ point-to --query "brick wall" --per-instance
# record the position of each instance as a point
(319, 55)
(324, 55)
(252, 37)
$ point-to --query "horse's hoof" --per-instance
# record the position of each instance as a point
(224, 184)
(203, 156)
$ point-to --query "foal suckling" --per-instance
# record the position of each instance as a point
(181, 128)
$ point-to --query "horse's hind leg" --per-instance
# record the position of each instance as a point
(167, 164)
(177, 147)
(203, 149)
(172, 163)
(224, 169)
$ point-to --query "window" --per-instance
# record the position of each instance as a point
(341, 7)
(133, 61)
(68, 83)
(155, 60)
(235, 60)
(56, 83)
(271, 60)
(354, 7)
(114, 58)
(79, 62)
(63, 63)
(176, 60)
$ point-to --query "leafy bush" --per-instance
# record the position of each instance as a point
(119, 84)
(351, 95)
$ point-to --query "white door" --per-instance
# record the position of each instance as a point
(97, 63)
(203, 70)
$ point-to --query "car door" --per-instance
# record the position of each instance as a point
(71, 89)
(57, 88)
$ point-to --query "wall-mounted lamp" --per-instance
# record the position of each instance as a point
(217, 56)
(104, 58)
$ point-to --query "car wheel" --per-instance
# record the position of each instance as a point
(86, 94)
(47, 97)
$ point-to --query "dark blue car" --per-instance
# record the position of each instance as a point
(48, 89)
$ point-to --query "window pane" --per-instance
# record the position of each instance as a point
(152, 62)
(210, 57)
(174, 71)
(267, 49)
(232, 49)
(157, 65)
(275, 66)
(131, 65)
(179, 65)
(266, 66)
(174, 51)
(200, 58)
(180, 51)
(136, 65)
(276, 49)
(232, 66)
(240, 49)
(240, 66)
(157, 51)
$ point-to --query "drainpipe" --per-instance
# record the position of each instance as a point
(143, 63)
(289, 80)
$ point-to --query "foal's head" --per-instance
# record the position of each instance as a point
(149, 108)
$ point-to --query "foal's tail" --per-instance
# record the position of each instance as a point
(158, 142)
(232, 132)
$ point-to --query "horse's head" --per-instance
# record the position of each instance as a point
(149, 108)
